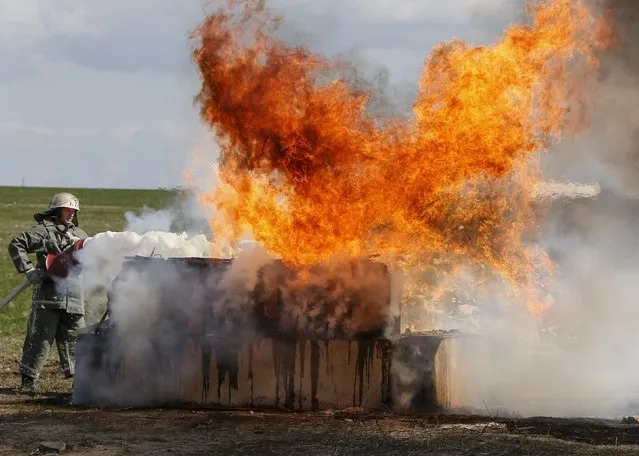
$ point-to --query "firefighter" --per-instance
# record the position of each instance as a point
(57, 304)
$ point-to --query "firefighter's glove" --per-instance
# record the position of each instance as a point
(34, 275)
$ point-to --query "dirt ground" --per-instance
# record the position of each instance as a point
(27, 421)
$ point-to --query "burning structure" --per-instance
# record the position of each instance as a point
(253, 331)
(313, 177)
(324, 337)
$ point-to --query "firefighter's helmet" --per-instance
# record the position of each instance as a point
(64, 200)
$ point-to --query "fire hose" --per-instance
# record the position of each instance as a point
(57, 265)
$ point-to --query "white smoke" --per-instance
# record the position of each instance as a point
(580, 357)
(149, 220)
(103, 254)
(183, 215)
(152, 309)
(179, 230)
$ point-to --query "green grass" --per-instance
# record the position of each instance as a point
(101, 210)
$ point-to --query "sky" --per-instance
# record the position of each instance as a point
(97, 93)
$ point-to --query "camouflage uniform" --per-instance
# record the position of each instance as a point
(57, 304)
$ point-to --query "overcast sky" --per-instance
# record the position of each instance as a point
(98, 93)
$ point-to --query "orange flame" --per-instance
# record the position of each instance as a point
(310, 174)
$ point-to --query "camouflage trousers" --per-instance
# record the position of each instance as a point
(45, 326)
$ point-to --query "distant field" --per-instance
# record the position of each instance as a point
(101, 210)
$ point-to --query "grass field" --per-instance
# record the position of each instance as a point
(101, 210)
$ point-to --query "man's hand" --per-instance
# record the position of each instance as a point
(34, 275)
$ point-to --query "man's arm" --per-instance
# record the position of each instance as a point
(20, 246)
(79, 233)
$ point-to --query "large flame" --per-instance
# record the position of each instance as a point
(310, 174)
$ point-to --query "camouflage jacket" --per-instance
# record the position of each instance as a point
(49, 236)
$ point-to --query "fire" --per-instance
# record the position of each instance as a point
(310, 174)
